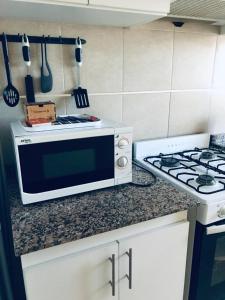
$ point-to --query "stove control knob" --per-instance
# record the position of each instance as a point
(122, 162)
(123, 143)
(221, 212)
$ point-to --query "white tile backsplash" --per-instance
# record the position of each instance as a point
(108, 107)
(217, 112)
(193, 60)
(148, 76)
(102, 67)
(148, 114)
(189, 113)
(147, 60)
(219, 69)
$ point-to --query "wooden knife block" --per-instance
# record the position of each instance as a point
(43, 111)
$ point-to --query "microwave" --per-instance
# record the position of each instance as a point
(58, 163)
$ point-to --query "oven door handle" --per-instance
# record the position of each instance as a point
(215, 229)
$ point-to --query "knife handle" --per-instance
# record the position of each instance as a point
(26, 50)
(78, 51)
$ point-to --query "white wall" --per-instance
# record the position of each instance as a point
(155, 77)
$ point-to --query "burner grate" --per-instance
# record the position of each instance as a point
(208, 164)
(197, 181)
(169, 161)
(207, 154)
(206, 179)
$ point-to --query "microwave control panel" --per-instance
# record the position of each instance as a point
(123, 157)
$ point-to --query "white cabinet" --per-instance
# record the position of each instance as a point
(82, 270)
(83, 2)
(81, 275)
(92, 12)
(157, 264)
(53, 2)
(159, 6)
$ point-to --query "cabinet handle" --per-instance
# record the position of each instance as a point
(129, 277)
(113, 281)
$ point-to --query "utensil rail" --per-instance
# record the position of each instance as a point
(17, 38)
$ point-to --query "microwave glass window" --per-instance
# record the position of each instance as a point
(60, 164)
(69, 163)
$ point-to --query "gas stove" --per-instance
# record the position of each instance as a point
(191, 165)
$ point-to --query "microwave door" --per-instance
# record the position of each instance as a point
(60, 164)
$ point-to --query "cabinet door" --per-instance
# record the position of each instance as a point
(144, 5)
(73, 2)
(82, 276)
(83, 2)
(158, 264)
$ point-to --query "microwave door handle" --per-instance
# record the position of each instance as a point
(215, 229)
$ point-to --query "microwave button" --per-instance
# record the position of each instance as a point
(123, 143)
(122, 162)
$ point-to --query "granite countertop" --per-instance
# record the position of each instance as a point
(46, 224)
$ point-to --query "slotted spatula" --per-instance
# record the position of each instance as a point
(80, 94)
(10, 93)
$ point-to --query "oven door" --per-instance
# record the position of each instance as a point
(53, 165)
(208, 267)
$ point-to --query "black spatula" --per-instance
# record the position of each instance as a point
(28, 79)
(46, 74)
(80, 94)
(10, 93)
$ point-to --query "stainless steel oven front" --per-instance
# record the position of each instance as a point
(61, 163)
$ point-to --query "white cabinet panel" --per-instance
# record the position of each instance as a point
(158, 264)
(82, 276)
(83, 2)
(144, 5)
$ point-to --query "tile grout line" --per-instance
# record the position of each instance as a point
(214, 61)
(212, 80)
(123, 55)
(129, 93)
(171, 84)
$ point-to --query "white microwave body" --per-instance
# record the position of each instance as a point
(53, 164)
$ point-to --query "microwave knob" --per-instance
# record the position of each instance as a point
(221, 212)
(123, 143)
(122, 161)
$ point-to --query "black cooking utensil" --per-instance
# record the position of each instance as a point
(10, 93)
(28, 79)
(46, 74)
(80, 94)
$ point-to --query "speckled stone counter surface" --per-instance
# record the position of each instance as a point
(50, 223)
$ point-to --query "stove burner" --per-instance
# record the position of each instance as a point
(185, 167)
(169, 162)
(206, 179)
(207, 155)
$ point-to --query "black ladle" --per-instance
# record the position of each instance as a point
(10, 93)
